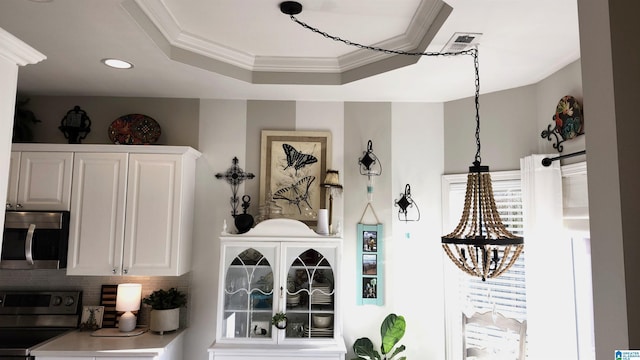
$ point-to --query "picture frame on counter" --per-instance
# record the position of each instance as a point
(292, 167)
(92, 317)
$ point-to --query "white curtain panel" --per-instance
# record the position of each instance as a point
(549, 267)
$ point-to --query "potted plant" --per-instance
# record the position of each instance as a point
(165, 309)
(391, 331)
(23, 119)
(279, 320)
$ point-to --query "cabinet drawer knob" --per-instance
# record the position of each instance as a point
(113, 271)
(126, 271)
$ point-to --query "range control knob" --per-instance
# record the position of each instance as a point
(69, 300)
(56, 301)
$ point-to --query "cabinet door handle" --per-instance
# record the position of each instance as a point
(18, 206)
(113, 271)
(126, 271)
(9, 206)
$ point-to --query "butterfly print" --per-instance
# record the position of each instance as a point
(296, 193)
(297, 159)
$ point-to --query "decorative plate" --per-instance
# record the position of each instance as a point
(568, 118)
(134, 129)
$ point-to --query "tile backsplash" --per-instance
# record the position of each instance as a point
(91, 286)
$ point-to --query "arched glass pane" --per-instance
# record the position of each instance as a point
(248, 296)
(310, 296)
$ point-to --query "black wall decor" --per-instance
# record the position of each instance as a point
(75, 125)
(408, 209)
(235, 176)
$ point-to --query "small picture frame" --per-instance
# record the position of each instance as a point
(370, 257)
(91, 317)
(369, 264)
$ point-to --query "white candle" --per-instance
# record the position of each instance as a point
(323, 222)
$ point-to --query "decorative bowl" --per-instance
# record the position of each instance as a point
(321, 320)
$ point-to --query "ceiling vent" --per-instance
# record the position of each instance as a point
(462, 41)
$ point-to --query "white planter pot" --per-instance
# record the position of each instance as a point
(164, 320)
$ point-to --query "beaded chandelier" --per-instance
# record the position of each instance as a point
(480, 245)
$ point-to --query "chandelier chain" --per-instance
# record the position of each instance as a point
(379, 49)
(477, 101)
(472, 52)
(487, 255)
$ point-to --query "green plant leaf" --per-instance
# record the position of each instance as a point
(391, 331)
(397, 351)
(364, 347)
(166, 299)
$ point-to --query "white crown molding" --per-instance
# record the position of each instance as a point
(162, 27)
(296, 64)
(166, 23)
(17, 51)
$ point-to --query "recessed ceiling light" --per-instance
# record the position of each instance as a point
(117, 64)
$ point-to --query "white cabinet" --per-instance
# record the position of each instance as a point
(96, 227)
(39, 180)
(132, 212)
(159, 215)
(281, 265)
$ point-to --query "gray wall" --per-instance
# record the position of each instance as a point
(178, 118)
(609, 41)
(510, 123)
(508, 130)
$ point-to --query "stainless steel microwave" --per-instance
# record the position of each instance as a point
(35, 240)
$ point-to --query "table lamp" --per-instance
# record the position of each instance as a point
(128, 300)
(332, 182)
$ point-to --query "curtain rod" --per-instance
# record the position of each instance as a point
(547, 161)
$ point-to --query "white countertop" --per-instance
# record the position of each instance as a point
(81, 343)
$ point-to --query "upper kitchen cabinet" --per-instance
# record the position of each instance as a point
(39, 180)
(132, 211)
(280, 266)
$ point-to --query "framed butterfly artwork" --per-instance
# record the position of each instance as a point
(292, 166)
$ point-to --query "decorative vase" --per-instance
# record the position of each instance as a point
(164, 320)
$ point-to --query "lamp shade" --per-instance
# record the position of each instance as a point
(129, 297)
(332, 179)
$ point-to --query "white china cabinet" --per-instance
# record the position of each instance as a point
(280, 266)
(132, 212)
(39, 180)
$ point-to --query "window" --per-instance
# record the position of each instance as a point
(567, 297)
(506, 294)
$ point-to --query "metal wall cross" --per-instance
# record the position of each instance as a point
(235, 176)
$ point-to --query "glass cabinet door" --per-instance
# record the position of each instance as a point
(310, 293)
(248, 293)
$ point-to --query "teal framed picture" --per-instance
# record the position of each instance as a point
(370, 273)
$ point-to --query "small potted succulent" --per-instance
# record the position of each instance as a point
(165, 309)
(279, 320)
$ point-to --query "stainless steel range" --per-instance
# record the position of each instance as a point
(31, 318)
